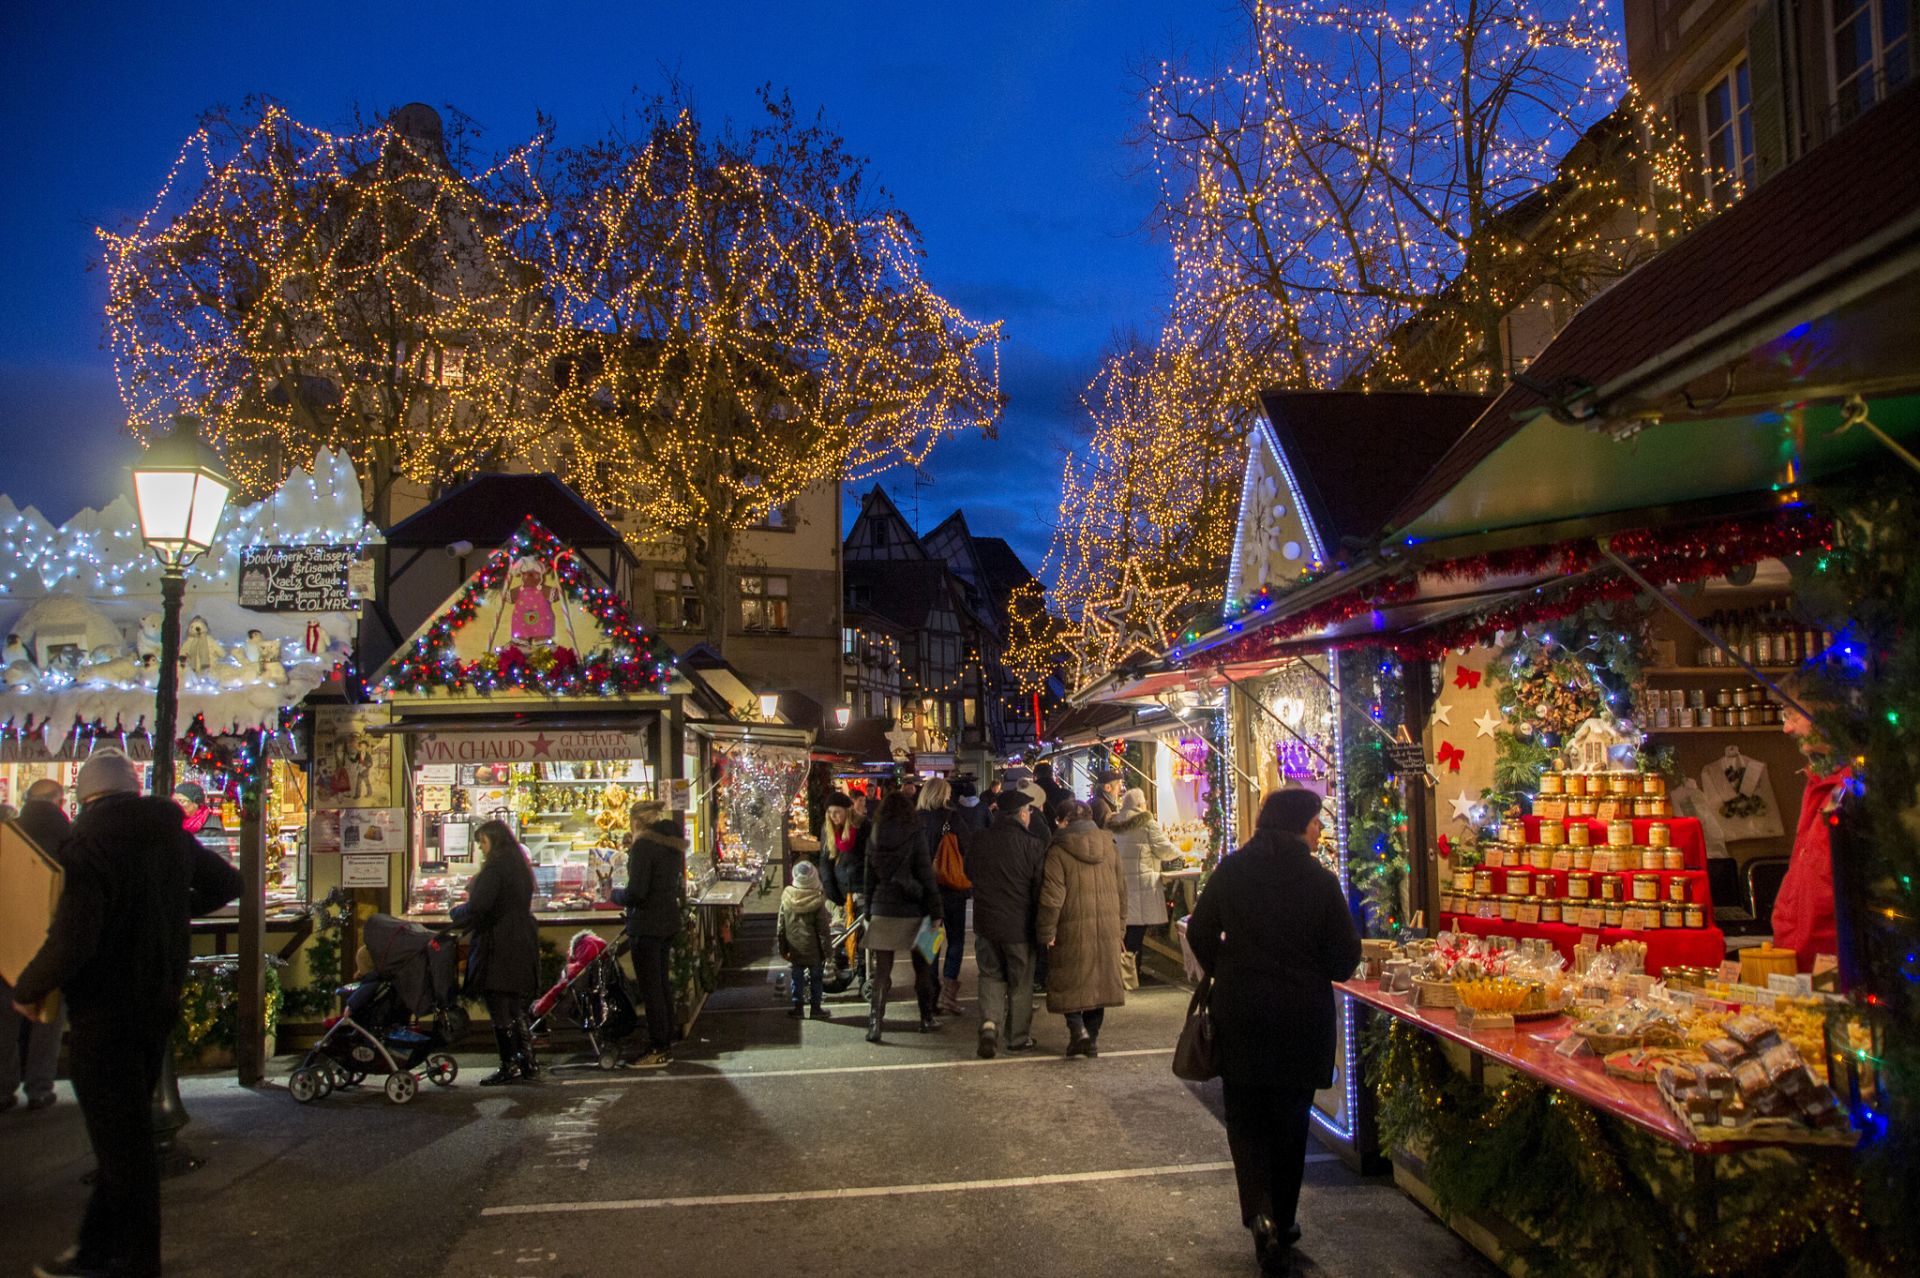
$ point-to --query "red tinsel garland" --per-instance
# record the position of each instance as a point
(1663, 556)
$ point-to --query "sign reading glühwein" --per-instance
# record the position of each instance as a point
(298, 578)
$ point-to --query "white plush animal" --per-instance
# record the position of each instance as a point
(20, 674)
(147, 642)
(199, 649)
(109, 668)
(16, 651)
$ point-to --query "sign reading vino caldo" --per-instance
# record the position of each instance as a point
(532, 746)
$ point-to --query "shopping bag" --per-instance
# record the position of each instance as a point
(1129, 970)
(931, 937)
(1193, 1054)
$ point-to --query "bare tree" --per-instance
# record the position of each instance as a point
(740, 320)
(301, 289)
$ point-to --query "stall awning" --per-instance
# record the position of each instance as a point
(1720, 367)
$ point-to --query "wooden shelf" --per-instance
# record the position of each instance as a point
(1714, 670)
(1774, 728)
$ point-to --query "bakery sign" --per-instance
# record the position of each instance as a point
(304, 578)
(532, 746)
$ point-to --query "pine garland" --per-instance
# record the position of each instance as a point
(1377, 864)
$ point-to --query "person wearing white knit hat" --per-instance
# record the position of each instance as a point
(117, 951)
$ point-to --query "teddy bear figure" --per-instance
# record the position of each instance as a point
(200, 651)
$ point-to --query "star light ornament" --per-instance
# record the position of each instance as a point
(1134, 621)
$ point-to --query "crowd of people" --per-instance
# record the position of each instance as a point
(1060, 894)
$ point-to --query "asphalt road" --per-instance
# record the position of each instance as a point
(770, 1146)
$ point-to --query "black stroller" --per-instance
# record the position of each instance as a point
(594, 995)
(400, 1021)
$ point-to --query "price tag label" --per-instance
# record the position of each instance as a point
(1799, 984)
(1571, 1045)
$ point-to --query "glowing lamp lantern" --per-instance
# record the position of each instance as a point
(769, 705)
(842, 716)
(181, 489)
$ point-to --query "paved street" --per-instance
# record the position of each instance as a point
(771, 1145)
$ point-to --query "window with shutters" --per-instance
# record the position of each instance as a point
(1872, 52)
(1727, 128)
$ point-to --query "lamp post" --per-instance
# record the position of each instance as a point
(181, 490)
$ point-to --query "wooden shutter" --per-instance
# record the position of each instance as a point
(1767, 72)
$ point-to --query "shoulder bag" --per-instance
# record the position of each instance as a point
(949, 866)
(1193, 1055)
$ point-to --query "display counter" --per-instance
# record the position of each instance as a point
(1666, 947)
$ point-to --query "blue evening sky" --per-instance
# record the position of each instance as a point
(999, 127)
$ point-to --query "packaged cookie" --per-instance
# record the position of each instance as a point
(1723, 1051)
(1750, 1077)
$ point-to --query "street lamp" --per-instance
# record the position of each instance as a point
(842, 716)
(181, 489)
(769, 705)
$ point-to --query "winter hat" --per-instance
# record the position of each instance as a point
(1106, 776)
(1010, 801)
(806, 876)
(964, 788)
(1290, 810)
(192, 792)
(107, 771)
(838, 800)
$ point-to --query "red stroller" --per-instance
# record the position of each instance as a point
(593, 994)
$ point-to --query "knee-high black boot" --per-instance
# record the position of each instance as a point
(504, 1043)
(525, 1066)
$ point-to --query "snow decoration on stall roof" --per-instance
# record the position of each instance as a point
(532, 620)
(80, 612)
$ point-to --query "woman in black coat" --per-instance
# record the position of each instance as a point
(655, 896)
(900, 893)
(503, 962)
(1273, 930)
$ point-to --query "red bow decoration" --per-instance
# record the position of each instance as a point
(1444, 847)
(1466, 678)
(1450, 754)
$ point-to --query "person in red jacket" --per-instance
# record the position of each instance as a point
(1803, 913)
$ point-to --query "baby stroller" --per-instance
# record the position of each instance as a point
(594, 995)
(401, 1018)
(846, 961)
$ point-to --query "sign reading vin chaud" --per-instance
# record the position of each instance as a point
(548, 746)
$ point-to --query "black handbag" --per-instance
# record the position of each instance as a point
(1194, 1057)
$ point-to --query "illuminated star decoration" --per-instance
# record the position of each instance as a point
(1443, 713)
(1463, 807)
(1486, 723)
(1132, 621)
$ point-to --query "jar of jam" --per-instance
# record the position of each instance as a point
(1672, 915)
(1654, 858)
(1552, 783)
(1562, 859)
(1549, 910)
(1619, 833)
(1496, 855)
(1613, 915)
(1650, 918)
(1520, 882)
(1672, 858)
(1546, 885)
(1582, 858)
(1677, 889)
(1609, 888)
(1579, 834)
(1602, 860)
(1653, 783)
(1509, 909)
(1553, 833)
(1660, 835)
(1512, 832)
(1529, 911)
(1463, 880)
(1646, 887)
(1483, 882)
(1576, 784)
(1696, 915)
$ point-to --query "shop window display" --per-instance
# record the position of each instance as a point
(571, 817)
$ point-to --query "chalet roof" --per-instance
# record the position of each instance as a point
(1862, 183)
(904, 591)
(877, 506)
(1357, 454)
(1005, 570)
(488, 509)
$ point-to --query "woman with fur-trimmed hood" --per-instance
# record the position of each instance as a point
(1142, 846)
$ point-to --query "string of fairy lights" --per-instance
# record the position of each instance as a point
(1327, 233)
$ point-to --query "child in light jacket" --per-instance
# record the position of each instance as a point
(805, 929)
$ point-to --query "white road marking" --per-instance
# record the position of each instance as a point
(852, 1009)
(857, 1191)
(717, 1076)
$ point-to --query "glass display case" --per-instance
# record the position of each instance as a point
(571, 817)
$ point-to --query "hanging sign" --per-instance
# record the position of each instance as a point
(1405, 756)
(304, 578)
(551, 745)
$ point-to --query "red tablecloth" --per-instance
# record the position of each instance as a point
(1666, 947)
(1685, 832)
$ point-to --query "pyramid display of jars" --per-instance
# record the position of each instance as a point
(1597, 852)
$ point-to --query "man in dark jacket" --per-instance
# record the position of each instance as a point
(1107, 789)
(1007, 865)
(1055, 792)
(44, 821)
(656, 889)
(1273, 930)
(117, 952)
